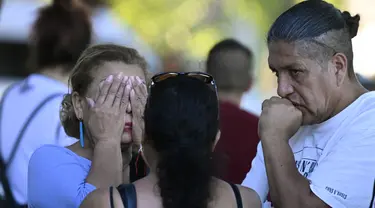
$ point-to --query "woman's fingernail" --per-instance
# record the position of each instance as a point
(139, 80)
(119, 76)
(132, 93)
(124, 80)
(110, 78)
(90, 102)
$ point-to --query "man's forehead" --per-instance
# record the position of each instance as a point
(283, 48)
(287, 55)
(282, 55)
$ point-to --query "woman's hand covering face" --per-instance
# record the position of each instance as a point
(106, 118)
(138, 98)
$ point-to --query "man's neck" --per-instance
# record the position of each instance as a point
(231, 97)
(350, 93)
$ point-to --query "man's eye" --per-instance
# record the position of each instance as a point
(296, 72)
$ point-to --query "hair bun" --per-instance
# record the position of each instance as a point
(352, 22)
(68, 117)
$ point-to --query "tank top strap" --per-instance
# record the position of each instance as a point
(128, 195)
(111, 197)
(237, 194)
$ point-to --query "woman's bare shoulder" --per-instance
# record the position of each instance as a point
(225, 196)
(250, 198)
(100, 198)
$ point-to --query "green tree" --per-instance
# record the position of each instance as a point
(192, 26)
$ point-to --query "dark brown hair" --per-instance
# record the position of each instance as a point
(230, 75)
(321, 27)
(96, 3)
(181, 124)
(81, 77)
(60, 34)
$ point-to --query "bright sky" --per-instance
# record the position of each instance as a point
(362, 44)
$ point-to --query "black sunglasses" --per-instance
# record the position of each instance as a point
(206, 78)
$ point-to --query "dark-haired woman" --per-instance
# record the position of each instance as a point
(104, 112)
(181, 131)
(29, 108)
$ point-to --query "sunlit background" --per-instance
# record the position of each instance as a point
(177, 34)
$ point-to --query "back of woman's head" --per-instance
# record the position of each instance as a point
(60, 34)
(181, 123)
(319, 26)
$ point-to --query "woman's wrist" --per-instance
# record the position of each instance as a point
(106, 166)
(107, 143)
(107, 147)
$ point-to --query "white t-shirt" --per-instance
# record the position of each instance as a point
(337, 156)
(45, 128)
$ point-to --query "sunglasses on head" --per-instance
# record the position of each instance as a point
(206, 78)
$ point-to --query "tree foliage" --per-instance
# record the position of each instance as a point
(193, 26)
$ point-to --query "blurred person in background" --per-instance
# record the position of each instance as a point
(369, 84)
(181, 131)
(6, 198)
(317, 138)
(29, 108)
(231, 64)
(106, 115)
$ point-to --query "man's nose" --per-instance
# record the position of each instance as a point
(284, 87)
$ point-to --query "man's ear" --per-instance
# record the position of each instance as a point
(340, 67)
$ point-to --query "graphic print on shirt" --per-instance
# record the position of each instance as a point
(306, 159)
